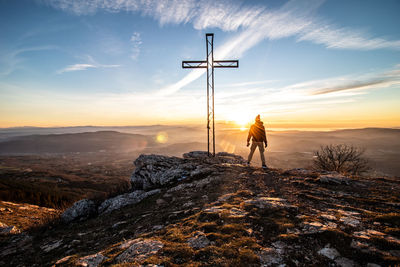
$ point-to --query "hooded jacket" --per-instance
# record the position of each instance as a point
(257, 131)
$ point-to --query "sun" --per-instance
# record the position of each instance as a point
(242, 120)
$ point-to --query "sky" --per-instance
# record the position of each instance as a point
(302, 64)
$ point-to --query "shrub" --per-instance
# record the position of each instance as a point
(341, 158)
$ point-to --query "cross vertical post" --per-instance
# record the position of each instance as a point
(210, 89)
(210, 64)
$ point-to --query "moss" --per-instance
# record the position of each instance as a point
(208, 227)
(235, 229)
(179, 253)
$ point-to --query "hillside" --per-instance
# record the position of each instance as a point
(101, 141)
(199, 211)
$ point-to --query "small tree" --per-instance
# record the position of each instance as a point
(341, 158)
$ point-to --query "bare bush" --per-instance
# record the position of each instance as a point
(341, 158)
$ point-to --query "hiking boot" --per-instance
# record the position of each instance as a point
(248, 163)
(264, 166)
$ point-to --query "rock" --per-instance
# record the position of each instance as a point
(138, 250)
(334, 178)
(160, 201)
(81, 210)
(269, 257)
(51, 246)
(330, 253)
(198, 241)
(327, 217)
(344, 262)
(124, 200)
(221, 157)
(351, 221)
(300, 172)
(7, 230)
(155, 171)
(91, 260)
(269, 203)
(196, 154)
(63, 260)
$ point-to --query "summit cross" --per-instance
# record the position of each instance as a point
(210, 64)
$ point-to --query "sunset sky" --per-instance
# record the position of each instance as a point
(328, 64)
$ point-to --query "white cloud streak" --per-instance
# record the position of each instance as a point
(84, 66)
(252, 24)
(136, 43)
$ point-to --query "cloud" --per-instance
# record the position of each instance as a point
(11, 59)
(77, 67)
(294, 18)
(136, 43)
(251, 24)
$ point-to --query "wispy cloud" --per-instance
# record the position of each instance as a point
(11, 59)
(84, 66)
(136, 43)
(251, 24)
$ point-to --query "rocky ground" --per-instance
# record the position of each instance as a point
(197, 211)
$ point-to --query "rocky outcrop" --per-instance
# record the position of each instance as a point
(124, 200)
(156, 171)
(138, 250)
(334, 178)
(81, 210)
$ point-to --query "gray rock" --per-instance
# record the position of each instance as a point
(138, 250)
(270, 203)
(334, 178)
(156, 171)
(81, 210)
(124, 200)
(344, 262)
(51, 246)
(270, 257)
(330, 253)
(92, 260)
(199, 240)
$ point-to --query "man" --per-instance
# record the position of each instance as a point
(259, 138)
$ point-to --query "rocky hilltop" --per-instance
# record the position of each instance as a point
(202, 211)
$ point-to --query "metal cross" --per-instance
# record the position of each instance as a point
(210, 64)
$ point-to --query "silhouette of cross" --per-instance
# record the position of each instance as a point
(210, 64)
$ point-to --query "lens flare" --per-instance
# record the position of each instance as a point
(162, 137)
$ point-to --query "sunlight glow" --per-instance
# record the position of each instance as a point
(162, 137)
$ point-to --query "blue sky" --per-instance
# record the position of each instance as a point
(308, 63)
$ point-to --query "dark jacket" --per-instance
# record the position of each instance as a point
(257, 131)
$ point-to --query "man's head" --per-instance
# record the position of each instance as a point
(258, 118)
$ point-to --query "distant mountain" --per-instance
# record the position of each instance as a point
(100, 141)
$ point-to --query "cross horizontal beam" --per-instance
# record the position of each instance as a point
(194, 64)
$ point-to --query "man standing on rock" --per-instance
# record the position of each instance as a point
(257, 133)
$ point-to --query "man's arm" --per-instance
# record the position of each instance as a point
(265, 138)
(249, 135)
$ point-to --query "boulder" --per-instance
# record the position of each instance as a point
(156, 171)
(221, 157)
(125, 199)
(199, 240)
(271, 203)
(138, 250)
(92, 260)
(328, 252)
(334, 178)
(81, 210)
